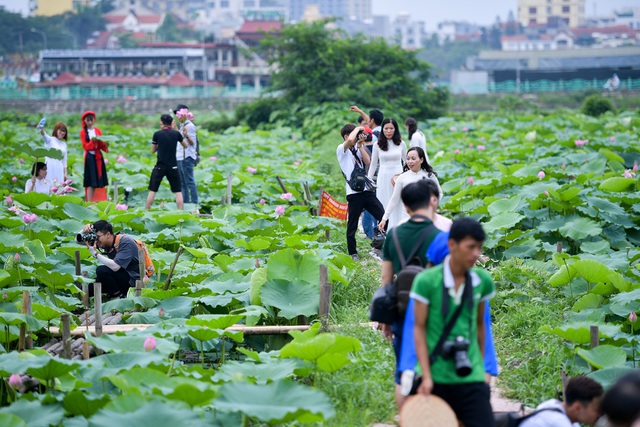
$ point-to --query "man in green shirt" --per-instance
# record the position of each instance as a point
(437, 294)
(420, 203)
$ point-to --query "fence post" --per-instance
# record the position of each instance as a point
(229, 188)
(143, 272)
(115, 192)
(595, 336)
(26, 308)
(325, 298)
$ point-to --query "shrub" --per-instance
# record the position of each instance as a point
(257, 112)
(595, 105)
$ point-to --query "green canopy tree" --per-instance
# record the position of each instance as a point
(316, 65)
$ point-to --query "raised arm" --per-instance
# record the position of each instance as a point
(364, 115)
(374, 161)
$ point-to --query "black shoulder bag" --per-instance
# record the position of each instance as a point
(358, 180)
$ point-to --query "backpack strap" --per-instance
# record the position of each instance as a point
(414, 250)
(536, 412)
(116, 244)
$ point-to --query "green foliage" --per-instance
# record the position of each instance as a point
(316, 66)
(596, 105)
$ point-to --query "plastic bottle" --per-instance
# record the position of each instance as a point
(406, 382)
(43, 122)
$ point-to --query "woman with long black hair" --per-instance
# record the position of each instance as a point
(417, 168)
(416, 137)
(391, 152)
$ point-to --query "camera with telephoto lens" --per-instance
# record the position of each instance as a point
(86, 236)
(458, 351)
(368, 136)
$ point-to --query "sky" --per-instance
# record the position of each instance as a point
(475, 11)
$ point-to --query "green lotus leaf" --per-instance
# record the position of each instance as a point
(292, 299)
(604, 356)
(34, 413)
(580, 332)
(275, 403)
(149, 414)
(260, 373)
(82, 404)
(254, 244)
(512, 204)
(200, 252)
(191, 395)
(609, 376)
(54, 368)
(214, 321)
(580, 228)
(616, 184)
(17, 319)
(590, 300)
(610, 155)
(132, 343)
(31, 200)
(10, 420)
(203, 334)
(601, 247)
(80, 213)
(258, 279)
(502, 221)
(291, 265)
(46, 312)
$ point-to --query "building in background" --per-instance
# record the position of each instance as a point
(571, 12)
(407, 33)
(23, 7)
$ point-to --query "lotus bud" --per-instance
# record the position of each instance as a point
(213, 158)
(633, 317)
(564, 166)
(14, 179)
(279, 210)
(635, 165)
(21, 160)
(481, 147)
(121, 159)
(150, 344)
(161, 313)
(8, 201)
(252, 170)
(546, 193)
(5, 296)
(262, 201)
(16, 257)
(286, 196)
(612, 139)
(15, 381)
(257, 263)
(457, 151)
(470, 180)
(541, 175)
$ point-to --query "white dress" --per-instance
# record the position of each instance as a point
(390, 165)
(419, 140)
(395, 206)
(42, 186)
(55, 167)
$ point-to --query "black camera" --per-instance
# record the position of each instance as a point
(458, 351)
(90, 237)
(368, 137)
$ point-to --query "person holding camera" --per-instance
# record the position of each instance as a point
(449, 331)
(353, 158)
(187, 156)
(165, 142)
(118, 254)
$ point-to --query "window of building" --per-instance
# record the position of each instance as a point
(566, 9)
(548, 10)
(532, 10)
(532, 21)
(224, 4)
(211, 4)
(249, 3)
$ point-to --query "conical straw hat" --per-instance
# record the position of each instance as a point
(423, 411)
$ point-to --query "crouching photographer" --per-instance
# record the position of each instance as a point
(118, 254)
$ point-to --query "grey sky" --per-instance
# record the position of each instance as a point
(477, 11)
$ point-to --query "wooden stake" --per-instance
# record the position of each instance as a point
(325, 297)
(85, 350)
(284, 189)
(173, 267)
(85, 297)
(559, 247)
(66, 336)
(97, 303)
(229, 188)
(595, 336)
(23, 327)
(76, 255)
(142, 271)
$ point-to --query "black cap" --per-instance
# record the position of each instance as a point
(180, 107)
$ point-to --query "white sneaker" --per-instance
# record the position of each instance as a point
(376, 253)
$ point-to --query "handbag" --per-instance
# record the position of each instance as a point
(379, 237)
(384, 305)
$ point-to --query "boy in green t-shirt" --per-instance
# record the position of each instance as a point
(466, 392)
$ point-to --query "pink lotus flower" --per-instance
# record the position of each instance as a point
(121, 159)
(150, 344)
(257, 263)
(580, 142)
(68, 182)
(279, 210)
(546, 193)
(16, 257)
(612, 138)
(470, 180)
(29, 218)
(471, 145)
(68, 189)
(8, 201)
(453, 129)
(262, 201)
(465, 129)
(252, 170)
(21, 160)
(541, 175)
(628, 174)
(15, 381)
(161, 313)
(481, 147)
(633, 317)
(286, 196)
(14, 179)
(483, 139)
(456, 151)
(5, 296)
(635, 165)
(213, 158)
(54, 189)
(564, 166)
(106, 161)
(120, 207)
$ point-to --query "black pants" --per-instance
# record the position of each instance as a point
(114, 283)
(357, 203)
(471, 402)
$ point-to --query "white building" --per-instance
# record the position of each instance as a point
(23, 7)
(407, 33)
(522, 42)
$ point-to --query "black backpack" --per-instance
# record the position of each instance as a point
(409, 269)
(513, 419)
(358, 180)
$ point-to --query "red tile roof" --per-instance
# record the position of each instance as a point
(260, 26)
(612, 30)
(68, 79)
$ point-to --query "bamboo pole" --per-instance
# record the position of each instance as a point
(115, 191)
(97, 303)
(76, 256)
(142, 271)
(325, 297)
(23, 327)
(284, 189)
(85, 350)
(229, 188)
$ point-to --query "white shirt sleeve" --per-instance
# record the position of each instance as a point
(28, 186)
(395, 197)
(47, 140)
(403, 146)
(435, 179)
(374, 161)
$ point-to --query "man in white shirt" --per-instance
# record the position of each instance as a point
(581, 405)
(350, 153)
